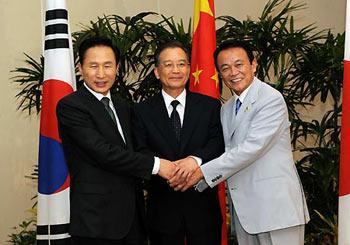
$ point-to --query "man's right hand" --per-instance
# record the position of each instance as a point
(187, 167)
(167, 169)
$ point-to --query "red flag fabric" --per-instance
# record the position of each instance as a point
(59, 80)
(344, 175)
(203, 76)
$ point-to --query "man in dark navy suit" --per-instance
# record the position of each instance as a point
(183, 127)
(106, 199)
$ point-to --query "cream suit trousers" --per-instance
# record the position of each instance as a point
(288, 236)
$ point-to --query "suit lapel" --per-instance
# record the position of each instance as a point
(123, 120)
(94, 104)
(162, 121)
(229, 117)
(99, 110)
(191, 118)
(246, 105)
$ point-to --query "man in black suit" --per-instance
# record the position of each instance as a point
(106, 199)
(183, 127)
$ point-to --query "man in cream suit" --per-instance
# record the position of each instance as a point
(264, 186)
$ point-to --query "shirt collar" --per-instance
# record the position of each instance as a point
(98, 95)
(168, 99)
(243, 94)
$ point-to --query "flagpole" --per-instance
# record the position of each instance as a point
(42, 12)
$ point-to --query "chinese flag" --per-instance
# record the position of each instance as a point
(344, 175)
(204, 77)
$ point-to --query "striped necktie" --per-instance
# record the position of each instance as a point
(175, 120)
(105, 102)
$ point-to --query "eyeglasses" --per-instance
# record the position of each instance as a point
(171, 65)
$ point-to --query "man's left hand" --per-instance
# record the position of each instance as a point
(190, 181)
(186, 168)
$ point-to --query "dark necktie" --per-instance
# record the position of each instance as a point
(238, 105)
(175, 120)
(105, 102)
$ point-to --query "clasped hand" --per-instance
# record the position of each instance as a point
(181, 174)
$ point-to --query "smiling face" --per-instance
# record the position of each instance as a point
(173, 70)
(235, 69)
(99, 68)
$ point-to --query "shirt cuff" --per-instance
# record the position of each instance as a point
(198, 160)
(156, 165)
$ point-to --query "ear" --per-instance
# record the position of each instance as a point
(254, 66)
(156, 73)
(80, 68)
(188, 71)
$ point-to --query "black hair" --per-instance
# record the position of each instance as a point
(233, 44)
(94, 42)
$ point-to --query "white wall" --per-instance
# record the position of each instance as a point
(21, 31)
(18, 146)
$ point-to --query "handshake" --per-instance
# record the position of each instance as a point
(181, 174)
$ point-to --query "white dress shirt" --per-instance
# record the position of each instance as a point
(180, 109)
(243, 94)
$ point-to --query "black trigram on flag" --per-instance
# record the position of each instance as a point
(56, 236)
(56, 23)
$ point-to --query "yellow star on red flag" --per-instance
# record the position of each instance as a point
(215, 77)
(196, 75)
(203, 46)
